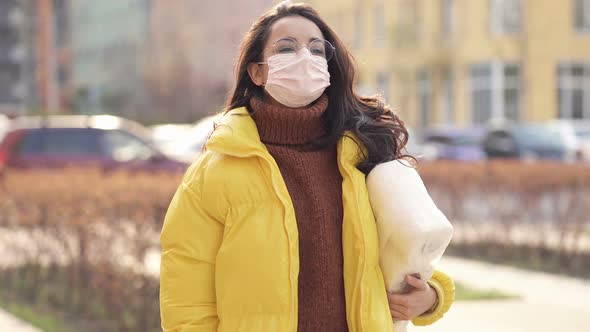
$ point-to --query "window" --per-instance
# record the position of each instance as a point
(447, 18)
(7, 5)
(506, 16)
(481, 93)
(31, 144)
(380, 30)
(383, 85)
(582, 15)
(61, 142)
(359, 31)
(495, 92)
(61, 23)
(406, 23)
(573, 88)
(9, 36)
(10, 75)
(448, 101)
(511, 92)
(122, 146)
(424, 97)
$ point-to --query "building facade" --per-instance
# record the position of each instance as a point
(467, 62)
(192, 53)
(109, 43)
(34, 56)
(15, 52)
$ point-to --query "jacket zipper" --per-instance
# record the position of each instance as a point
(285, 206)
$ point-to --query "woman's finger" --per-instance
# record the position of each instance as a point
(401, 309)
(397, 299)
(396, 315)
(417, 283)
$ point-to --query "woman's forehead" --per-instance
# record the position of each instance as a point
(296, 27)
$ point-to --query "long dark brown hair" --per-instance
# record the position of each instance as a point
(381, 132)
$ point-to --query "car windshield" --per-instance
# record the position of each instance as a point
(61, 142)
(460, 139)
(467, 140)
(123, 146)
(583, 133)
(539, 135)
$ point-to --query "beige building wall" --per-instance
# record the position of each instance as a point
(415, 41)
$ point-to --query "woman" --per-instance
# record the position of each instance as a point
(271, 229)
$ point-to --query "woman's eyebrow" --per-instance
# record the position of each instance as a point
(295, 39)
(310, 39)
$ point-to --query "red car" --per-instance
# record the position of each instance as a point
(101, 141)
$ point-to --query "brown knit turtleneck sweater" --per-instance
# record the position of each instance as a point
(315, 187)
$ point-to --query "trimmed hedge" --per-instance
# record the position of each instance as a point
(76, 242)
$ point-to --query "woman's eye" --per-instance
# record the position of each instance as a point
(317, 51)
(287, 49)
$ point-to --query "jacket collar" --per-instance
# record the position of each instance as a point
(236, 135)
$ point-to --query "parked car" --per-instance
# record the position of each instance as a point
(415, 148)
(529, 141)
(188, 141)
(576, 134)
(74, 140)
(4, 124)
(454, 143)
(170, 138)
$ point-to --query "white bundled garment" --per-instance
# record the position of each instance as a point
(413, 232)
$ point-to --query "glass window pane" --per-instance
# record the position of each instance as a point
(32, 143)
(582, 14)
(563, 69)
(448, 96)
(121, 146)
(577, 70)
(359, 28)
(383, 85)
(511, 104)
(447, 18)
(511, 70)
(61, 142)
(511, 93)
(561, 101)
(380, 30)
(573, 89)
(506, 16)
(71, 142)
(482, 106)
(481, 93)
(424, 97)
(512, 15)
(578, 104)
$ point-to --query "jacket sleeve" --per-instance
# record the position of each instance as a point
(445, 289)
(190, 239)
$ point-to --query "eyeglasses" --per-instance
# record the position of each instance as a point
(317, 47)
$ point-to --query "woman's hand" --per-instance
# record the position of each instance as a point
(414, 303)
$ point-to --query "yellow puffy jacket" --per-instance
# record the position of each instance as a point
(230, 255)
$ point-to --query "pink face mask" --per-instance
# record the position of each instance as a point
(296, 80)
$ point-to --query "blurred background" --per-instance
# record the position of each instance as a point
(105, 103)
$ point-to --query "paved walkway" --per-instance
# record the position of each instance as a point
(549, 303)
(10, 324)
(508, 316)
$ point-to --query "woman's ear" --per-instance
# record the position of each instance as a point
(256, 73)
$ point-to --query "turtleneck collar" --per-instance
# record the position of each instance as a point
(283, 125)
